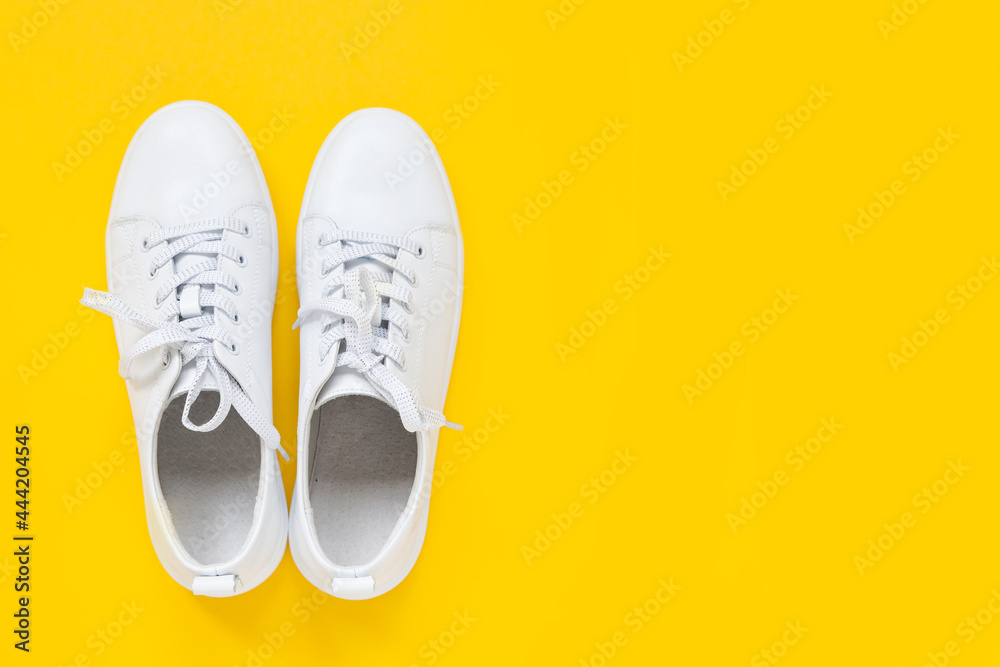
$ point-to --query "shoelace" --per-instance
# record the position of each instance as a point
(185, 327)
(356, 319)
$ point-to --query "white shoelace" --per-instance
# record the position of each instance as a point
(356, 319)
(185, 326)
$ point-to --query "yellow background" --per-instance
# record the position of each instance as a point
(656, 184)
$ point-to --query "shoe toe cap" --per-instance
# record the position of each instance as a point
(379, 171)
(188, 161)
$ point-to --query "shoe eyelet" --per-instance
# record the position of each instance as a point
(236, 288)
(145, 244)
(246, 231)
(153, 272)
(401, 364)
(407, 307)
(234, 348)
(406, 336)
(242, 261)
(319, 242)
(166, 358)
(235, 318)
(413, 283)
(420, 252)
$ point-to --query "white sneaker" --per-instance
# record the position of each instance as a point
(379, 264)
(192, 254)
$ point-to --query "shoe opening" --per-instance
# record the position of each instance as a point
(209, 480)
(363, 465)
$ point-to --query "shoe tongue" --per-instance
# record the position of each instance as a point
(183, 262)
(373, 268)
(185, 381)
(370, 264)
(346, 382)
(186, 260)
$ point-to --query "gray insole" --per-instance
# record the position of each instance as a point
(209, 480)
(362, 470)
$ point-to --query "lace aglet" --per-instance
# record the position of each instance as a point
(281, 450)
(296, 323)
(453, 425)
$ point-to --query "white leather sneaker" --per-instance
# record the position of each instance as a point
(192, 255)
(379, 264)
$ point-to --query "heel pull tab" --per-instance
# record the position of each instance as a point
(353, 585)
(221, 586)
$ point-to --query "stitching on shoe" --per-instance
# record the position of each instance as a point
(437, 244)
(255, 209)
(259, 212)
